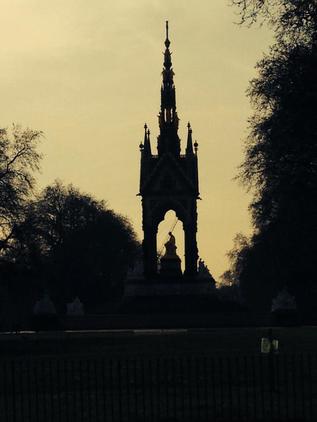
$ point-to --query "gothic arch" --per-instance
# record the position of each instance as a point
(171, 205)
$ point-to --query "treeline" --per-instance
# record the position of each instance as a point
(280, 163)
(59, 241)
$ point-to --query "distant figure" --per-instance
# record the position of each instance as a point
(75, 308)
(170, 247)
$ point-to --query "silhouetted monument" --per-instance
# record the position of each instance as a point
(169, 180)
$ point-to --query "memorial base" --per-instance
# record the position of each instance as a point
(168, 294)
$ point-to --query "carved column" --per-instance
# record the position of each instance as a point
(191, 251)
(150, 252)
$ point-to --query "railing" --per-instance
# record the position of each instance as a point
(179, 388)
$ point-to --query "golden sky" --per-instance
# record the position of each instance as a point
(88, 74)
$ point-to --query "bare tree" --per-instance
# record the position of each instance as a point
(292, 20)
(19, 159)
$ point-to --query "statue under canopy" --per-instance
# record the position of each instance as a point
(170, 247)
(170, 261)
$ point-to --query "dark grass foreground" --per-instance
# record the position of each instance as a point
(174, 388)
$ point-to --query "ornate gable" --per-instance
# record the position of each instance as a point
(168, 177)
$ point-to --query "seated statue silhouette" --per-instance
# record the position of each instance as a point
(170, 247)
(170, 261)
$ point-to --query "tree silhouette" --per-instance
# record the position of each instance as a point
(280, 166)
(293, 21)
(75, 245)
(19, 159)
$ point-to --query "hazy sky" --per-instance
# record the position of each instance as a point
(88, 74)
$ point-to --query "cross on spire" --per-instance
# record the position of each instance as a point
(167, 41)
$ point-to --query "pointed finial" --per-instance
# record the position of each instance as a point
(196, 147)
(189, 147)
(147, 143)
(167, 41)
(145, 134)
(141, 146)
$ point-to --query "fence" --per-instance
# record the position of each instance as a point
(156, 389)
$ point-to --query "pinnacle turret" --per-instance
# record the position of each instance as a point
(147, 143)
(189, 146)
(168, 120)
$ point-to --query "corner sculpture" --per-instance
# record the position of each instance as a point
(169, 181)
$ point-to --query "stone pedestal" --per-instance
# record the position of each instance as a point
(170, 263)
(170, 267)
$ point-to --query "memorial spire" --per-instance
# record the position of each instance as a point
(168, 101)
(168, 120)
